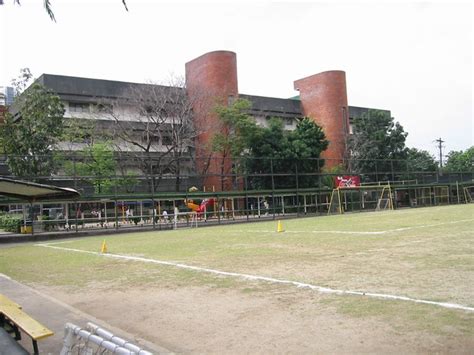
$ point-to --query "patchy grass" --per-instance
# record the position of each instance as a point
(406, 316)
(420, 253)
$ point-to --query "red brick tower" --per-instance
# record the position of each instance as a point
(211, 80)
(3, 112)
(324, 98)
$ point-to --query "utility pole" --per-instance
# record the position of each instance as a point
(440, 147)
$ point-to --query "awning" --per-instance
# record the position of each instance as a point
(32, 191)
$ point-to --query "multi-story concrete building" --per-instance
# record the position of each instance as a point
(7, 95)
(212, 79)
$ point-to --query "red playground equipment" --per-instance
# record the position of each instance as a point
(201, 208)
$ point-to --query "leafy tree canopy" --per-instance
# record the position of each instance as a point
(97, 165)
(261, 150)
(307, 142)
(237, 130)
(377, 145)
(274, 149)
(420, 160)
(30, 135)
(460, 161)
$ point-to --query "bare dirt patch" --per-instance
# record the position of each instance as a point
(254, 319)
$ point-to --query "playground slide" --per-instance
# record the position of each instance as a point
(206, 203)
(192, 206)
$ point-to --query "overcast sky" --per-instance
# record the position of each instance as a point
(413, 58)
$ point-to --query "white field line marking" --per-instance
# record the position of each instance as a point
(63, 242)
(267, 279)
(313, 231)
(365, 232)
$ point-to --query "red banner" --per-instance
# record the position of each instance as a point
(347, 181)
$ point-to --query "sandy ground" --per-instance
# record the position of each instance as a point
(54, 313)
(221, 320)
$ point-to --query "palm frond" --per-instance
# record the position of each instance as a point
(49, 10)
(47, 6)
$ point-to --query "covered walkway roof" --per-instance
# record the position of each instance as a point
(32, 191)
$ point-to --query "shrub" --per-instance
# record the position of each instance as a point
(10, 223)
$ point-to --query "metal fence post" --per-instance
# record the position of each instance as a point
(246, 197)
(115, 207)
(273, 187)
(376, 171)
(297, 190)
(153, 215)
(391, 167)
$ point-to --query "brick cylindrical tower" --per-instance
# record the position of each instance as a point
(3, 113)
(324, 98)
(211, 80)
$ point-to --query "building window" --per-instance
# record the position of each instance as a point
(150, 137)
(147, 110)
(289, 122)
(104, 108)
(167, 139)
(78, 107)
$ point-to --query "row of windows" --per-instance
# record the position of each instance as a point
(155, 140)
(286, 120)
(86, 107)
(78, 107)
(166, 139)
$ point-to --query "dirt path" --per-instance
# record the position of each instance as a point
(54, 314)
(220, 320)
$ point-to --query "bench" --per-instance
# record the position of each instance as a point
(14, 318)
(5, 301)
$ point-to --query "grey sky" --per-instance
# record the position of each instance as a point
(414, 58)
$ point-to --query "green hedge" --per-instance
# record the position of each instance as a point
(10, 223)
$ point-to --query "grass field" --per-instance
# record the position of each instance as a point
(424, 254)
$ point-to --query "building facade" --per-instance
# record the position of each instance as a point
(211, 79)
(7, 95)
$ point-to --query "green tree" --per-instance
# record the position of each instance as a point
(307, 142)
(257, 151)
(460, 161)
(286, 152)
(83, 131)
(97, 166)
(234, 136)
(238, 128)
(30, 134)
(420, 161)
(377, 146)
(269, 149)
